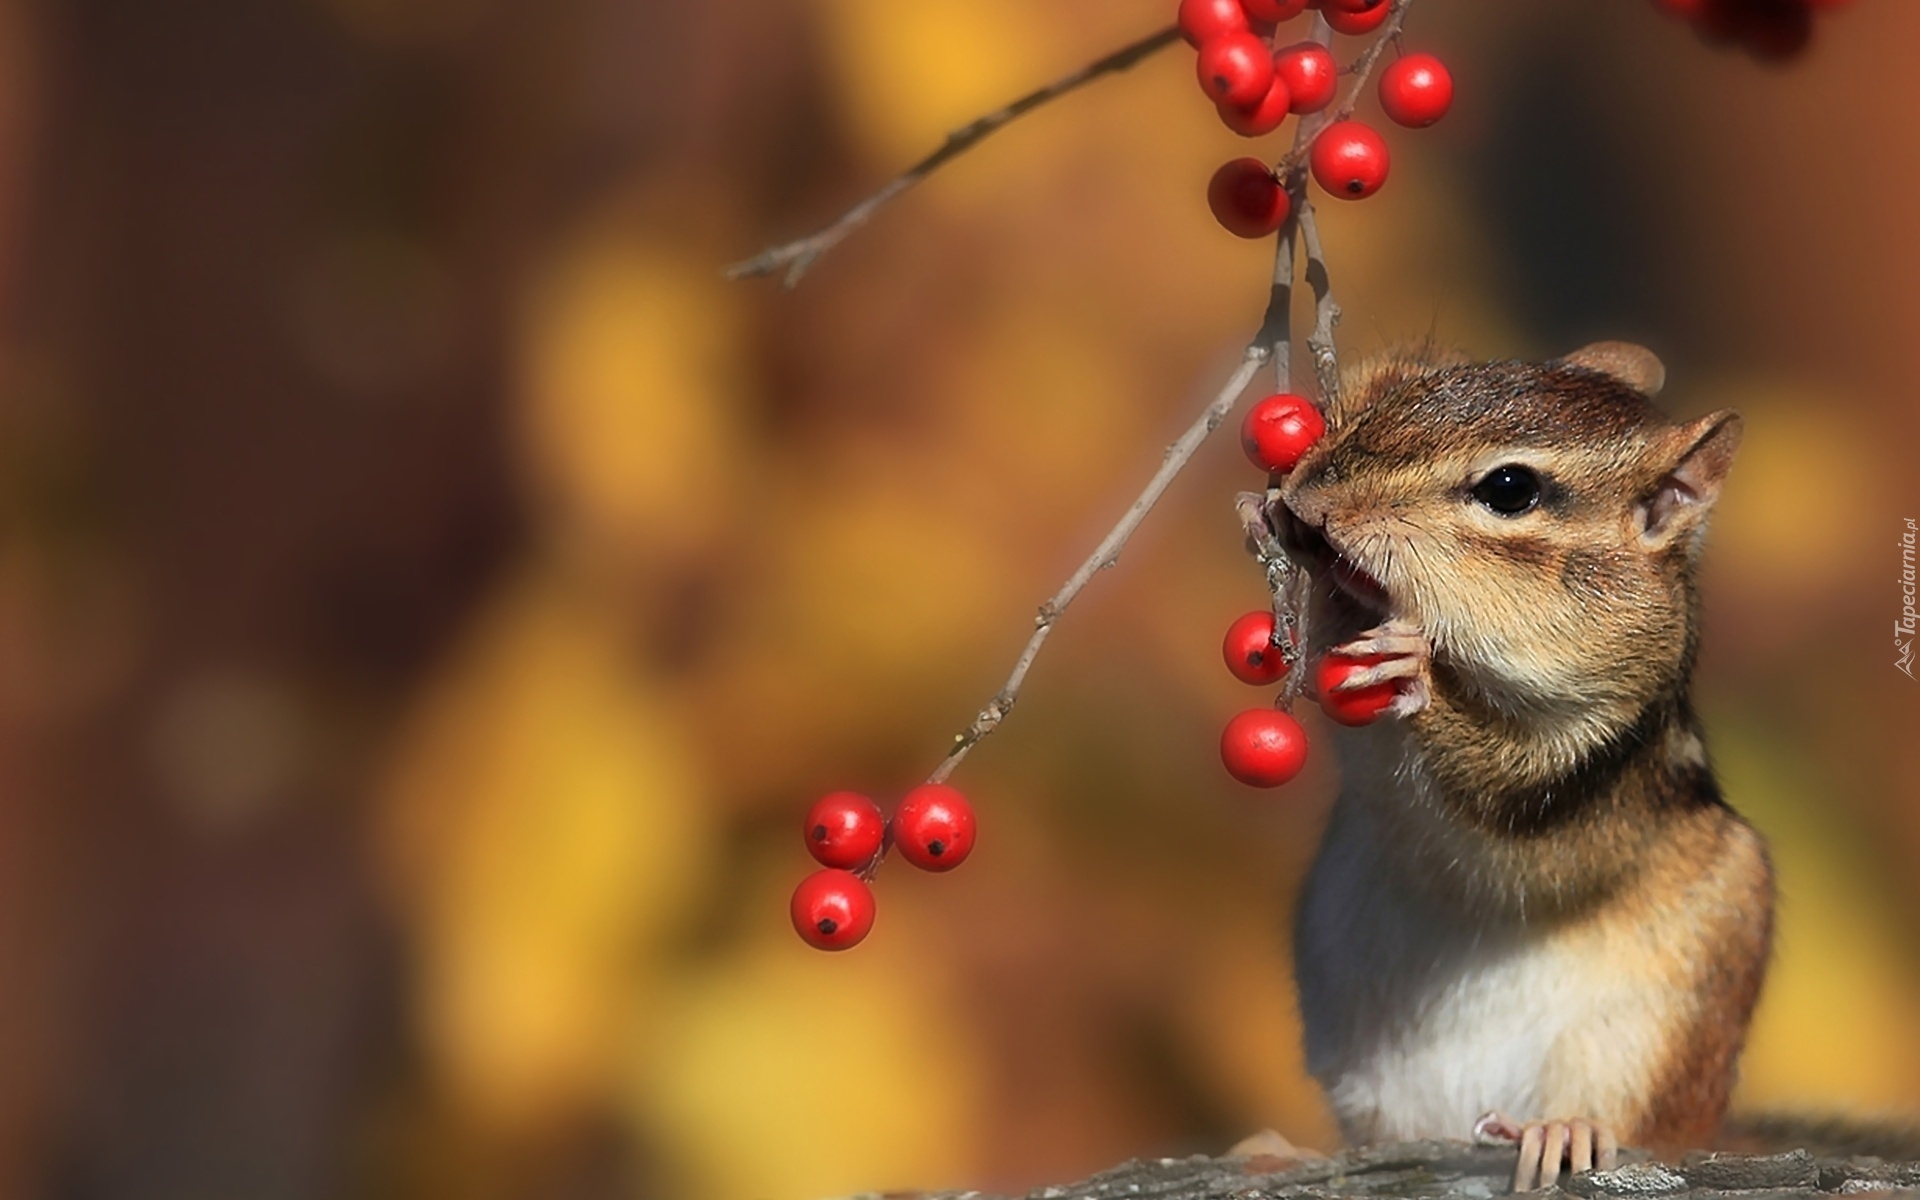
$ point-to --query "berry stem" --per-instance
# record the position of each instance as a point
(1105, 555)
(867, 870)
(797, 256)
(1361, 72)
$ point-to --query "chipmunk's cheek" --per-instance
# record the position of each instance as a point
(1520, 675)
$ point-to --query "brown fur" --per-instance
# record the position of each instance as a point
(1727, 910)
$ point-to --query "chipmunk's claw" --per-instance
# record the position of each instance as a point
(1397, 637)
(1413, 698)
(1405, 655)
(1576, 1142)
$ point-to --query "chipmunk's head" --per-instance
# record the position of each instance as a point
(1540, 521)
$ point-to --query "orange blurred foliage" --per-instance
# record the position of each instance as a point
(432, 594)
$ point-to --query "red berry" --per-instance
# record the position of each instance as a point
(832, 909)
(844, 829)
(1235, 68)
(1203, 20)
(1351, 6)
(1311, 75)
(1250, 652)
(1274, 10)
(1365, 21)
(1263, 747)
(1278, 431)
(1264, 117)
(1349, 160)
(1246, 199)
(1416, 91)
(1359, 706)
(933, 827)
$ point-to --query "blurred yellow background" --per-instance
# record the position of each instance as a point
(430, 595)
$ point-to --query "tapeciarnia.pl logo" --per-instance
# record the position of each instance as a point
(1904, 627)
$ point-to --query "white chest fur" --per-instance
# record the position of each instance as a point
(1421, 1017)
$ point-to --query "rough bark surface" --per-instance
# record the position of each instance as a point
(1457, 1169)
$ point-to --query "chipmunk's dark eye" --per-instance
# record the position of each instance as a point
(1509, 490)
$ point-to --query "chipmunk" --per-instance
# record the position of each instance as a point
(1533, 914)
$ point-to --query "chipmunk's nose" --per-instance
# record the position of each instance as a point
(1308, 504)
(1307, 493)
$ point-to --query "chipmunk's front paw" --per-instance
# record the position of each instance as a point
(1545, 1146)
(1402, 657)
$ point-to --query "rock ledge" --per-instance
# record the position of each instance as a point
(1458, 1169)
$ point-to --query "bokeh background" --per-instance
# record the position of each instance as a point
(429, 595)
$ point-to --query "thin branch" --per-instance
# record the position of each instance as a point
(1276, 328)
(1276, 332)
(1286, 583)
(796, 257)
(1326, 311)
(1105, 555)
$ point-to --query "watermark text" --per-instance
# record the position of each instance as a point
(1903, 629)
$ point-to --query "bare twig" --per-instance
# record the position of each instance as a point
(1326, 311)
(1276, 332)
(1105, 555)
(1276, 328)
(1285, 581)
(796, 257)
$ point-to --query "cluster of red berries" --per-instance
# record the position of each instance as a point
(833, 908)
(1255, 84)
(1266, 747)
(1772, 29)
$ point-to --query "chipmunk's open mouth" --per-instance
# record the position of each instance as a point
(1327, 559)
(1359, 585)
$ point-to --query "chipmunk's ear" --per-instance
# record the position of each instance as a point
(1636, 366)
(1697, 456)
